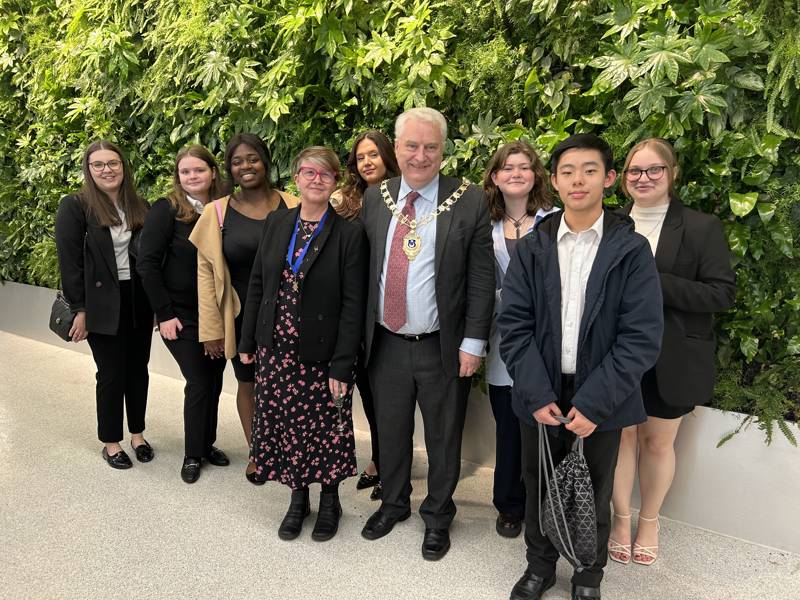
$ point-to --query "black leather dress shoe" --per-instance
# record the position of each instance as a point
(531, 587)
(253, 478)
(380, 524)
(582, 592)
(190, 471)
(330, 510)
(508, 526)
(292, 523)
(217, 457)
(120, 460)
(377, 492)
(367, 481)
(144, 452)
(435, 544)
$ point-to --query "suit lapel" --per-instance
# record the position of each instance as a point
(383, 218)
(669, 242)
(105, 247)
(447, 185)
(316, 245)
(280, 241)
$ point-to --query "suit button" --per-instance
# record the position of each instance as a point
(319, 317)
(299, 319)
(98, 284)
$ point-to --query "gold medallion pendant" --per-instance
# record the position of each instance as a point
(412, 244)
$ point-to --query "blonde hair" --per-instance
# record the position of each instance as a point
(665, 152)
(321, 156)
(424, 114)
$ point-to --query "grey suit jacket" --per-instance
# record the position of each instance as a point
(464, 264)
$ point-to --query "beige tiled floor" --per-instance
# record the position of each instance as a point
(72, 528)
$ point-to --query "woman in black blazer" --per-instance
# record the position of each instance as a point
(168, 267)
(302, 324)
(693, 260)
(97, 233)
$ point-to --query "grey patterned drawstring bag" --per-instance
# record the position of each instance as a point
(567, 514)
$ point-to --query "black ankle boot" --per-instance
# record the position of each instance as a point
(292, 523)
(328, 517)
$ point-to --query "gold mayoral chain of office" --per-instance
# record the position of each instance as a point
(412, 243)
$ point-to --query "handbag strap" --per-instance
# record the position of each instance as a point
(220, 218)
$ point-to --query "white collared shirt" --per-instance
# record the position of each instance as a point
(576, 254)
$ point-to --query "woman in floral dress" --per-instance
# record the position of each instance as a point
(302, 325)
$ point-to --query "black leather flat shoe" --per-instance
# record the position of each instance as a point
(508, 526)
(435, 544)
(217, 457)
(379, 525)
(367, 481)
(253, 478)
(531, 587)
(190, 471)
(120, 460)
(582, 592)
(377, 492)
(144, 452)
(299, 509)
(330, 511)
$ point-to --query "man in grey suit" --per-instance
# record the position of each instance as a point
(429, 308)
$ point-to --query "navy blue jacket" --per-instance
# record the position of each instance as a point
(620, 331)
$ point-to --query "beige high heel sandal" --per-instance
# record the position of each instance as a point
(649, 552)
(623, 552)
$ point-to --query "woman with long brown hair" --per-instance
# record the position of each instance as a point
(168, 267)
(97, 230)
(371, 160)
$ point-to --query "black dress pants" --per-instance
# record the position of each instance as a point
(368, 402)
(402, 374)
(600, 449)
(203, 377)
(122, 377)
(508, 494)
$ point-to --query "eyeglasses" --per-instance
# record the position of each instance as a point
(310, 174)
(653, 173)
(99, 166)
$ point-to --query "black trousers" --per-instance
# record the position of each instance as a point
(600, 450)
(368, 402)
(203, 377)
(403, 373)
(509, 491)
(122, 376)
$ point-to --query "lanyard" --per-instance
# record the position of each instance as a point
(295, 264)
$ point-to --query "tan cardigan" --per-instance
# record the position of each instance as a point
(217, 301)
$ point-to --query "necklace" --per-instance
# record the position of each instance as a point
(307, 232)
(517, 222)
(412, 242)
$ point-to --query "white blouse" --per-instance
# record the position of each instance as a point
(121, 237)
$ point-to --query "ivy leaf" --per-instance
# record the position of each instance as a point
(781, 234)
(749, 346)
(663, 54)
(738, 238)
(793, 345)
(695, 102)
(742, 204)
(766, 211)
(749, 81)
(650, 97)
(768, 148)
(620, 63)
(758, 173)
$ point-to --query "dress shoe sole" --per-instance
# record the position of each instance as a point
(430, 555)
(372, 536)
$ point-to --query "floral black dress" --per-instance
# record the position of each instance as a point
(297, 439)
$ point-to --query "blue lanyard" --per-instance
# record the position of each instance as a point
(295, 264)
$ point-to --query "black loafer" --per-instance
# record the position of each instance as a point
(380, 524)
(367, 481)
(299, 509)
(531, 587)
(377, 492)
(582, 592)
(253, 478)
(190, 471)
(144, 452)
(508, 526)
(330, 511)
(120, 460)
(217, 457)
(435, 544)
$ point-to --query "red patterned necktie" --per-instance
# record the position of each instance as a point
(394, 292)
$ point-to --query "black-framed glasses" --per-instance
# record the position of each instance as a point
(99, 166)
(653, 173)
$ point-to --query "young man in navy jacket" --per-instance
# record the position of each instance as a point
(581, 321)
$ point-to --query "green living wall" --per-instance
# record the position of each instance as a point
(718, 78)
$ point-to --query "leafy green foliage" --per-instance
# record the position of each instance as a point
(719, 78)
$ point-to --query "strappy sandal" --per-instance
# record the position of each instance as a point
(650, 553)
(623, 552)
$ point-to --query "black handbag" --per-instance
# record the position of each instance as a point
(61, 317)
(567, 515)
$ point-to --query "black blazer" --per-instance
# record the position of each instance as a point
(331, 297)
(464, 265)
(694, 264)
(167, 264)
(89, 276)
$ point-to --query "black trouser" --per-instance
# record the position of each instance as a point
(203, 377)
(122, 376)
(600, 450)
(509, 492)
(368, 402)
(404, 373)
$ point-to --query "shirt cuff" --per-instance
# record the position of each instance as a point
(473, 346)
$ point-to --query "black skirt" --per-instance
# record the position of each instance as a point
(654, 405)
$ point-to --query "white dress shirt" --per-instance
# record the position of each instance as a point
(121, 238)
(576, 254)
(422, 315)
